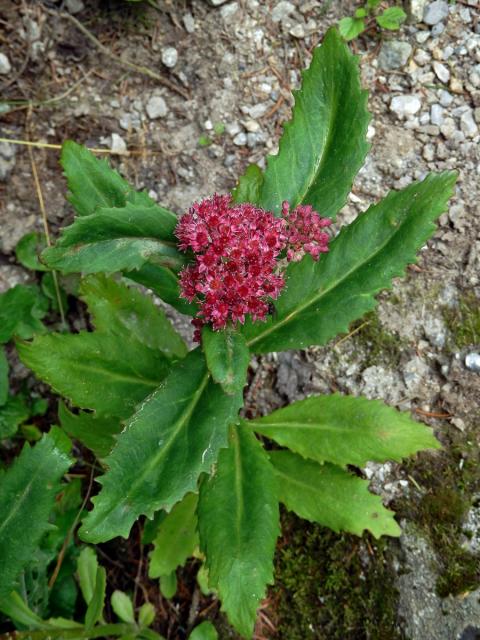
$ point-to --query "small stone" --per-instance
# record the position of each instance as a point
(456, 85)
(188, 23)
(216, 3)
(428, 152)
(468, 124)
(232, 128)
(7, 159)
(472, 362)
(240, 140)
(251, 126)
(229, 10)
(156, 108)
(436, 114)
(5, 66)
(394, 54)
(441, 71)
(416, 9)
(405, 106)
(422, 36)
(435, 12)
(448, 128)
(74, 6)
(118, 144)
(438, 29)
(298, 31)
(281, 11)
(169, 57)
(445, 98)
(422, 57)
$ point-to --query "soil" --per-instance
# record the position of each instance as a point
(190, 132)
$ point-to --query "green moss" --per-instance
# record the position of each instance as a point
(464, 321)
(380, 345)
(332, 586)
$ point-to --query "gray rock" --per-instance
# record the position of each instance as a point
(281, 11)
(422, 57)
(5, 66)
(435, 331)
(394, 54)
(436, 114)
(74, 6)
(7, 159)
(441, 71)
(435, 12)
(438, 29)
(405, 106)
(188, 23)
(229, 10)
(169, 57)
(118, 144)
(297, 31)
(445, 98)
(472, 362)
(414, 373)
(240, 140)
(468, 124)
(156, 108)
(416, 8)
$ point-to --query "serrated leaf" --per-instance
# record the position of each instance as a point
(238, 522)
(176, 538)
(322, 298)
(204, 631)
(97, 602)
(173, 437)
(163, 282)
(391, 18)
(93, 183)
(3, 377)
(331, 496)
(117, 308)
(96, 370)
(324, 144)
(115, 240)
(249, 185)
(12, 414)
(28, 250)
(95, 432)
(21, 309)
(227, 358)
(345, 430)
(27, 495)
(87, 566)
(122, 606)
(350, 28)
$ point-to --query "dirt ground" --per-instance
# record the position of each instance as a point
(211, 88)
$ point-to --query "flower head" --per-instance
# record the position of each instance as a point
(237, 270)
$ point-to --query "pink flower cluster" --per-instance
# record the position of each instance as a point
(237, 250)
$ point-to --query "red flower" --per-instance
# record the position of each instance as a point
(237, 269)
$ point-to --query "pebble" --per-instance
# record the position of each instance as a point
(394, 54)
(435, 12)
(445, 98)
(422, 36)
(232, 128)
(5, 66)
(7, 159)
(416, 9)
(216, 3)
(441, 71)
(240, 140)
(428, 152)
(472, 362)
(298, 31)
(281, 11)
(118, 144)
(251, 126)
(74, 6)
(405, 106)
(188, 23)
(229, 10)
(436, 114)
(456, 85)
(422, 57)
(156, 107)
(468, 124)
(448, 128)
(169, 57)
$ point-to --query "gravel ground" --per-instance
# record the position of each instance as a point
(235, 65)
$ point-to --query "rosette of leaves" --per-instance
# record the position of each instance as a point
(172, 441)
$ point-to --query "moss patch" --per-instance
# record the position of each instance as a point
(464, 321)
(332, 586)
(380, 345)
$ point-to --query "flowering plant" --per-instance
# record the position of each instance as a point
(259, 271)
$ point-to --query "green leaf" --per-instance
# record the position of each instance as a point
(322, 298)
(116, 239)
(97, 602)
(3, 377)
(345, 430)
(361, 13)
(204, 631)
(49, 290)
(168, 585)
(27, 495)
(238, 522)
(146, 614)
(249, 185)
(28, 250)
(173, 437)
(21, 309)
(392, 18)
(93, 184)
(13, 606)
(227, 358)
(324, 144)
(163, 282)
(372, 4)
(87, 567)
(96, 370)
(12, 414)
(331, 496)
(176, 538)
(95, 432)
(350, 28)
(117, 308)
(122, 606)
